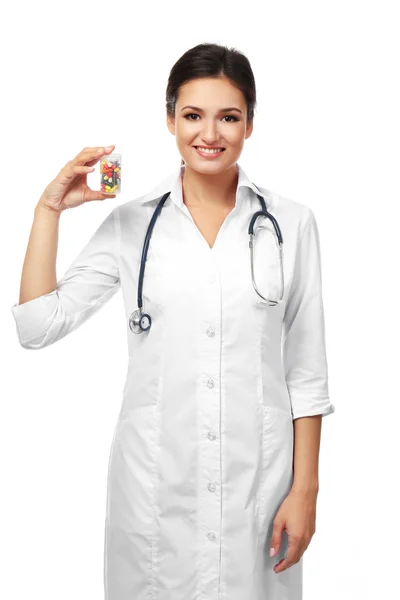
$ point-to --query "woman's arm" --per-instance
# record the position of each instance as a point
(297, 513)
(304, 352)
(306, 373)
(39, 268)
(49, 309)
(307, 438)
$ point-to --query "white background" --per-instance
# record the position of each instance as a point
(326, 133)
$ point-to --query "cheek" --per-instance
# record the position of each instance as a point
(185, 131)
(235, 136)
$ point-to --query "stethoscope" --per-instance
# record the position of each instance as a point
(140, 321)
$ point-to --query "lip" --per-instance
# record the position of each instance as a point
(209, 155)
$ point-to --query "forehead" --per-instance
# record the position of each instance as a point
(210, 91)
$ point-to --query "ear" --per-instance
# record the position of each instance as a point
(171, 124)
(249, 130)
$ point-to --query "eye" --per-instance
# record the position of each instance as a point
(225, 117)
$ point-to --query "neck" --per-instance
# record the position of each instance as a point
(203, 190)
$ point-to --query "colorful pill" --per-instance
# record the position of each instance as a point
(110, 174)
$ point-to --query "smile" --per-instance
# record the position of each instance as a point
(203, 149)
(208, 151)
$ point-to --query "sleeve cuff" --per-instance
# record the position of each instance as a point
(32, 317)
(306, 406)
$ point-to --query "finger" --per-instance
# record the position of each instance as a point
(276, 538)
(91, 152)
(90, 156)
(84, 161)
(82, 169)
(70, 171)
(97, 195)
(278, 564)
(100, 153)
(292, 556)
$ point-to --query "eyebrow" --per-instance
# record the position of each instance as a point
(222, 109)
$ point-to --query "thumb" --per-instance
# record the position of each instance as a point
(97, 195)
(276, 537)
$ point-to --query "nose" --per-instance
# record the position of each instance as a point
(209, 132)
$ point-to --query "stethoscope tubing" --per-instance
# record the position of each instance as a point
(140, 322)
(146, 247)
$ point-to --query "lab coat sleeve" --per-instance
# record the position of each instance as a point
(90, 281)
(304, 352)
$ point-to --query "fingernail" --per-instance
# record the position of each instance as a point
(108, 148)
(272, 552)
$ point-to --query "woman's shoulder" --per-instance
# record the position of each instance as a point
(287, 209)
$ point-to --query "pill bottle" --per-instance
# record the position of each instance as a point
(110, 173)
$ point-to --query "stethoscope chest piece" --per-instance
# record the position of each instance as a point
(139, 321)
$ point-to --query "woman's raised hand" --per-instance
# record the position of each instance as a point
(69, 188)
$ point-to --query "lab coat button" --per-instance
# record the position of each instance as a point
(211, 435)
(211, 487)
(211, 536)
(210, 383)
(210, 332)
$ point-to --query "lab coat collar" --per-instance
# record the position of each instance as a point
(173, 184)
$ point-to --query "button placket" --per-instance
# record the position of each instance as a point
(209, 397)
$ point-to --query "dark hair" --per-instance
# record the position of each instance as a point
(212, 60)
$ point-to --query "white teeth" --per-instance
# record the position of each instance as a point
(212, 150)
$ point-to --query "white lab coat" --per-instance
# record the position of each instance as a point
(202, 452)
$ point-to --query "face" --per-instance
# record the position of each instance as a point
(209, 124)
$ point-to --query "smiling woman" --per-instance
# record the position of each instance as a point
(211, 116)
(214, 457)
